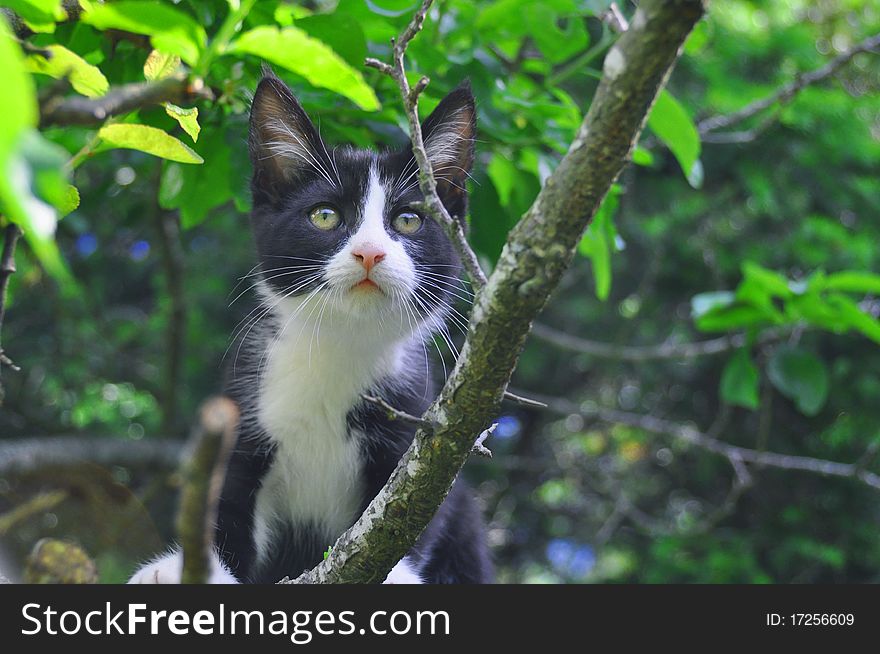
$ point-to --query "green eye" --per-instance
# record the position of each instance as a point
(407, 222)
(324, 217)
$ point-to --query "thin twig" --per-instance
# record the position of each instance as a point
(788, 91)
(167, 228)
(432, 204)
(524, 401)
(203, 474)
(478, 447)
(733, 453)
(615, 19)
(641, 353)
(396, 414)
(7, 268)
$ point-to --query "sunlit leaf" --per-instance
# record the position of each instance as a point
(170, 30)
(296, 51)
(187, 117)
(160, 65)
(150, 140)
(85, 78)
(672, 125)
(853, 281)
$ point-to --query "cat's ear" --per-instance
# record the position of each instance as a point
(449, 134)
(283, 142)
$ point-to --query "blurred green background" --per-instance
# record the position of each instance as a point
(762, 234)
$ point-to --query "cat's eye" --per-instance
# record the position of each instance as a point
(407, 222)
(324, 217)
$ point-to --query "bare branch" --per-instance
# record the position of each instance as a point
(7, 268)
(641, 353)
(615, 19)
(788, 91)
(396, 414)
(167, 228)
(733, 453)
(203, 474)
(432, 204)
(77, 110)
(20, 456)
(523, 401)
(479, 447)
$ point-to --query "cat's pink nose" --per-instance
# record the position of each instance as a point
(368, 255)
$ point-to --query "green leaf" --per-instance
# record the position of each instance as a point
(85, 78)
(70, 201)
(19, 93)
(503, 174)
(767, 280)
(195, 190)
(188, 119)
(31, 180)
(160, 65)
(598, 242)
(672, 125)
(642, 157)
(734, 317)
(801, 377)
(853, 316)
(40, 15)
(293, 49)
(150, 140)
(739, 381)
(170, 30)
(853, 281)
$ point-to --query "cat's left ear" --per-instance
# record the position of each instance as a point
(449, 134)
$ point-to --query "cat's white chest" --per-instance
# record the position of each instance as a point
(315, 477)
(308, 387)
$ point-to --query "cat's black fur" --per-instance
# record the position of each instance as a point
(452, 549)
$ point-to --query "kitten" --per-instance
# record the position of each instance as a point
(353, 281)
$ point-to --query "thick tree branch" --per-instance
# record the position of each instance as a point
(788, 91)
(77, 110)
(537, 252)
(203, 474)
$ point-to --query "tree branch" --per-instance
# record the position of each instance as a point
(537, 252)
(203, 474)
(173, 264)
(77, 110)
(428, 185)
(7, 268)
(21, 456)
(788, 91)
(735, 454)
(642, 353)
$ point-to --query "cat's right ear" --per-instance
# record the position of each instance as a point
(283, 142)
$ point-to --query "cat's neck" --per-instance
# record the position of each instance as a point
(316, 358)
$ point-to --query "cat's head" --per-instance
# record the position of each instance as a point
(338, 227)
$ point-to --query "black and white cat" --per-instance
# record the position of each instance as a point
(352, 280)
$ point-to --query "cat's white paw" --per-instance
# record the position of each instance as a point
(168, 569)
(403, 573)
